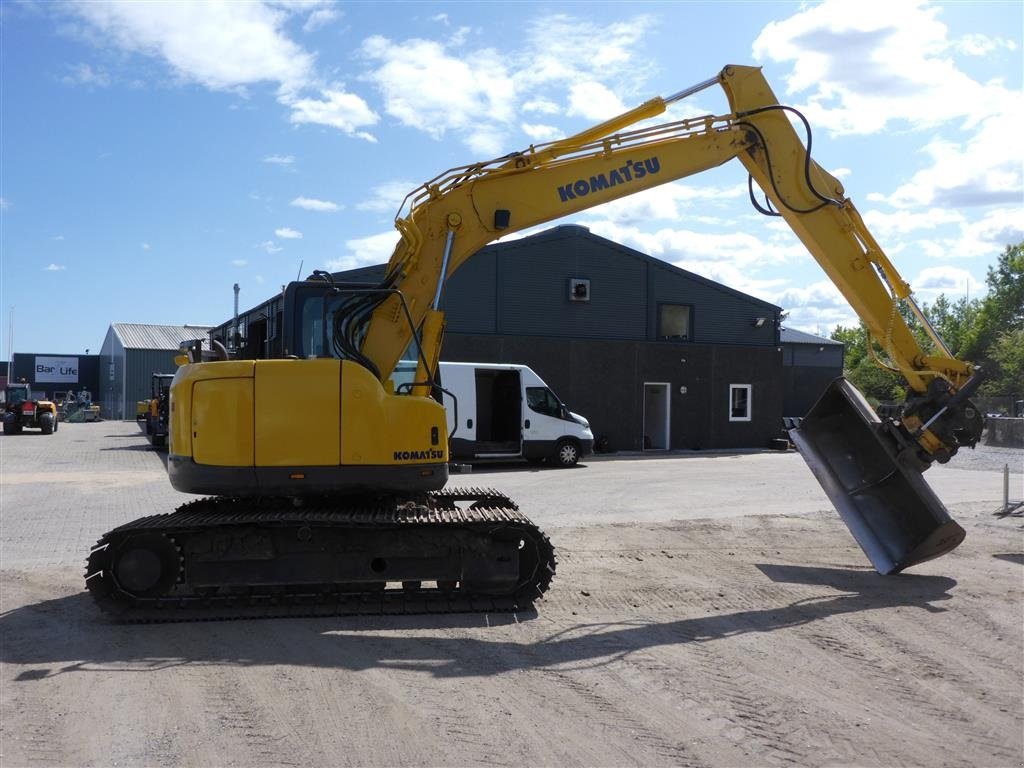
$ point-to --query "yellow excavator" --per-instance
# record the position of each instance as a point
(341, 507)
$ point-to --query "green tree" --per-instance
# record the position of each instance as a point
(1002, 309)
(953, 321)
(999, 324)
(877, 384)
(1006, 359)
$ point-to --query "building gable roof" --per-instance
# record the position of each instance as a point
(791, 336)
(376, 272)
(169, 337)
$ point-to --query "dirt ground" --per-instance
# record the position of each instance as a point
(743, 628)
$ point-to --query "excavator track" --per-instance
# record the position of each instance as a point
(450, 551)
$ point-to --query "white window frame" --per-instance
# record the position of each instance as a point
(750, 401)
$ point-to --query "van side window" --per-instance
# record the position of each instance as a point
(543, 400)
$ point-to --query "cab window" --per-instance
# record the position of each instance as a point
(543, 400)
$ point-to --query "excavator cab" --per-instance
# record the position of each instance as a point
(875, 485)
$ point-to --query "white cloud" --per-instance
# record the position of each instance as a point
(59, 238)
(903, 222)
(54, 268)
(387, 197)
(477, 94)
(540, 132)
(338, 109)
(982, 45)
(553, 55)
(541, 106)
(312, 204)
(427, 88)
(279, 159)
(4, 204)
(286, 233)
(980, 239)
(269, 246)
(951, 281)
(84, 74)
(230, 46)
(594, 101)
(670, 202)
(220, 45)
(984, 169)
(365, 251)
(320, 18)
(240, 262)
(144, 246)
(889, 63)
(815, 308)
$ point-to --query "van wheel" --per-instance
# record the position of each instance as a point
(566, 454)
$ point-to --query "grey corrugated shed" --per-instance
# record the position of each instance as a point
(144, 336)
(790, 336)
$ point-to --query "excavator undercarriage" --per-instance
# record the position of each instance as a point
(226, 558)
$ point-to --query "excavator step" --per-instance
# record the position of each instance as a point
(221, 558)
(891, 511)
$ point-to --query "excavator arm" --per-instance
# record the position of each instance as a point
(448, 219)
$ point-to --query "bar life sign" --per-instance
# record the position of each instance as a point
(56, 370)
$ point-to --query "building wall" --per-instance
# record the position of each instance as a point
(603, 381)
(522, 288)
(139, 367)
(111, 386)
(85, 376)
(807, 370)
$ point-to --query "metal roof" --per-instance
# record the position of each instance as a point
(790, 336)
(170, 337)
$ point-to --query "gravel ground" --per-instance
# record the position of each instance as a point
(708, 610)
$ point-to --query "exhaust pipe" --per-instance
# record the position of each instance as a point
(891, 511)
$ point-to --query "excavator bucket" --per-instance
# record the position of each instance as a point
(889, 508)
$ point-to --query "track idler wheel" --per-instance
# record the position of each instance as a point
(146, 565)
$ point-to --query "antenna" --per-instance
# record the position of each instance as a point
(299, 275)
(10, 347)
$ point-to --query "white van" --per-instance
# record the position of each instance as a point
(507, 411)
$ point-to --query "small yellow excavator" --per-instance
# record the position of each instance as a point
(339, 506)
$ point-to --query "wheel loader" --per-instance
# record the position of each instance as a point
(22, 412)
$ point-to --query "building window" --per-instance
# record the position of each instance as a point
(674, 322)
(739, 402)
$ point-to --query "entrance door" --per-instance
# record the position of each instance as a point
(656, 413)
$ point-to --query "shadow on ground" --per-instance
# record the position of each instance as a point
(68, 634)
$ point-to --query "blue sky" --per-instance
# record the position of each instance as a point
(154, 154)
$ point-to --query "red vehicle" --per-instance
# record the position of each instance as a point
(21, 411)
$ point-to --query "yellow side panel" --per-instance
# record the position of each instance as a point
(297, 413)
(181, 424)
(222, 422)
(379, 429)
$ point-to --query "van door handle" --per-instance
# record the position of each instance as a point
(527, 425)
(469, 423)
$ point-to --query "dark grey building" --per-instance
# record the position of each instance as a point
(654, 356)
(131, 354)
(52, 375)
(809, 363)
